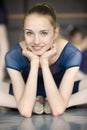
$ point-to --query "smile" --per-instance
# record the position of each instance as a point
(37, 48)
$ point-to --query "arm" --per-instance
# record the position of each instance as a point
(25, 94)
(58, 98)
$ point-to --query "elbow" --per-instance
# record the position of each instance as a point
(58, 112)
(25, 112)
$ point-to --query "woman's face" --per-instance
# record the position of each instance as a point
(39, 33)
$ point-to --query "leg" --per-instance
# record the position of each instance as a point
(6, 99)
(80, 97)
(4, 46)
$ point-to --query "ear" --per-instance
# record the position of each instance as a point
(56, 31)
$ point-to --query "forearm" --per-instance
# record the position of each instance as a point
(28, 97)
(54, 97)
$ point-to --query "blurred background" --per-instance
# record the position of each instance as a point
(69, 12)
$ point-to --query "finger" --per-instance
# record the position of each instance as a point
(26, 52)
(54, 46)
(49, 53)
(53, 50)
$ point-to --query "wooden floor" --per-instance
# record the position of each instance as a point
(72, 119)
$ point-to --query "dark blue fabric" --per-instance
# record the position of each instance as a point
(15, 59)
(70, 57)
(75, 89)
(83, 66)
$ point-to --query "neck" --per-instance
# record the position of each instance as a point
(60, 44)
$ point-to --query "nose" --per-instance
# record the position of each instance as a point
(36, 39)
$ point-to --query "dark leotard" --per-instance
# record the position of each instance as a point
(69, 57)
(83, 66)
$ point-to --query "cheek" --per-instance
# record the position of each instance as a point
(48, 40)
(28, 39)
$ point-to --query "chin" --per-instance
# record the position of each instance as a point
(41, 52)
(38, 53)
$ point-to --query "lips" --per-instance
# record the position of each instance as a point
(37, 48)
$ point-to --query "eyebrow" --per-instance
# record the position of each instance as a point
(45, 30)
(27, 29)
(40, 30)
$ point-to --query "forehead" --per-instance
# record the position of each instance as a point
(37, 21)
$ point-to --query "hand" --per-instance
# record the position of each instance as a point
(29, 54)
(44, 59)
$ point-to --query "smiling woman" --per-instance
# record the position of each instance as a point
(39, 36)
(43, 63)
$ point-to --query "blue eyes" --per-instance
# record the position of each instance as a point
(42, 33)
(29, 33)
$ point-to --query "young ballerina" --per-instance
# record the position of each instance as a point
(43, 68)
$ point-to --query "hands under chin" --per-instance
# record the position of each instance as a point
(30, 55)
(43, 59)
(46, 57)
